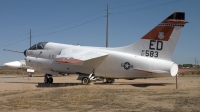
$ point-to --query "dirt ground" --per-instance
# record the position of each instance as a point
(20, 93)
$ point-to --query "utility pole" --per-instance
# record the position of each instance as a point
(107, 27)
(30, 37)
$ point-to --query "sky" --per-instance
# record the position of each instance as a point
(84, 22)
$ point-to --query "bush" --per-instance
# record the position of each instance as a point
(193, 72)
(198, 72)
(183, 73)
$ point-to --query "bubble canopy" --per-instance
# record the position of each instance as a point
(40, 45)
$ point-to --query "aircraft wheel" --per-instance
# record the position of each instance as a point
(109, 80)
(46, 80)
(85, 81)
(31, 75)
(50, 80)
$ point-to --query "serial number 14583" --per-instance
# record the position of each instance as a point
(149, 53)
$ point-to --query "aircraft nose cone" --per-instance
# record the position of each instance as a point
(25, 53)
(15, 64)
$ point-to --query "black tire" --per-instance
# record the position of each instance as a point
(85, 81)
(109, 80)
(31, 75)
(46, 80)
(50, 79)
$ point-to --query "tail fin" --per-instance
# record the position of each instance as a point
(161, 41)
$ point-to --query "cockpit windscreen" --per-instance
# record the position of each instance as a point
(40, 46)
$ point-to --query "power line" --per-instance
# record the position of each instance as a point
(11, 39)
(68, 22)
(15, 38)
(68, 28)
(53, 27)
(53, 32)
(148, 7)
(14, 42)
(130, 4)
(115, 13)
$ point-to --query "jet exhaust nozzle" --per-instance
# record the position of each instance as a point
(174, 70)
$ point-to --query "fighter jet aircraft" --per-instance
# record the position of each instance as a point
(149, 57)
(21, 64)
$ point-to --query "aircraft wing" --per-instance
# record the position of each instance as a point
(76, 55)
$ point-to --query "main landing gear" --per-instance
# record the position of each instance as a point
(83, 77)
(110, 80)
(48, 78)
(92, 78)
(85, 81)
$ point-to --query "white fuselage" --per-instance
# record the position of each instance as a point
(115, 65)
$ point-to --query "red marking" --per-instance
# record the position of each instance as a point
(65, 60)
(167, 30)
(153, 34)
(174, 21)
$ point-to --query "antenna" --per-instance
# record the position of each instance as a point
(107, 27)
(30, 37)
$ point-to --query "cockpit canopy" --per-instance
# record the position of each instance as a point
(40, 46)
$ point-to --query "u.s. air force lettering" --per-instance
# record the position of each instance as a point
(126, 65)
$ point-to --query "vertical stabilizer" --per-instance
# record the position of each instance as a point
(161, 41)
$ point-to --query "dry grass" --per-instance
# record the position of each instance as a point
(94, 99)
(109, 98)
(11, 71)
